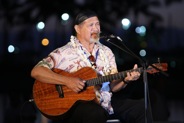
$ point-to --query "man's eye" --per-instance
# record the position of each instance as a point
(98, 24)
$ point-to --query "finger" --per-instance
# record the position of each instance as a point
(76, 90)
(128, 74)
(135, 66)
(80, 87)
(136, 74)
(82, 83)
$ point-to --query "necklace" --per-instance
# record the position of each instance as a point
(85, 57)
(91, 58)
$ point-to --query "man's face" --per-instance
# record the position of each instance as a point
(90, 29)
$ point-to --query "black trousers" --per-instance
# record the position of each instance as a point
(85, 112)
(126, 110)
(130, 111)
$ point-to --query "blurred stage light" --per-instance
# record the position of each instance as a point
(141, 30)
(11, 48)
(45, 42)
(142, 53)
(125, 23)
(40, 25)
(65, 16)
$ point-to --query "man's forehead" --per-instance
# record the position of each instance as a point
(91, 19)
(82, 16)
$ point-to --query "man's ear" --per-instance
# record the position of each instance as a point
(77, 29)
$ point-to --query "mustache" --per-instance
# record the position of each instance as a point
(102, 36)
(95, 35)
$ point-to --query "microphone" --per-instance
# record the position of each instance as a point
(108, 37)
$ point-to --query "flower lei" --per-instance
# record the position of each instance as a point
(75, 43)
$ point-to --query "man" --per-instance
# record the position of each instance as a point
(85, 50)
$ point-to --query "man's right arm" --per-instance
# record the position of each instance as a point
(44, 74)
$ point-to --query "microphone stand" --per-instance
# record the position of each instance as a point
(145, 80)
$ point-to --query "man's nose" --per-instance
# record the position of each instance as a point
(96, 29)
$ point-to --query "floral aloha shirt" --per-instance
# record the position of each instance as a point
(73, 56)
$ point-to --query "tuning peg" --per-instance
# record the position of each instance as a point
(158, 60)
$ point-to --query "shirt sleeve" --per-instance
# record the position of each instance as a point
(51, 60)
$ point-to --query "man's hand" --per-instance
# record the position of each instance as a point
(132, 76)
(75, 84)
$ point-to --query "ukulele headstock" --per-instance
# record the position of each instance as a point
(157, 67)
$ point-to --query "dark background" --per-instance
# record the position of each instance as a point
(164, 39)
